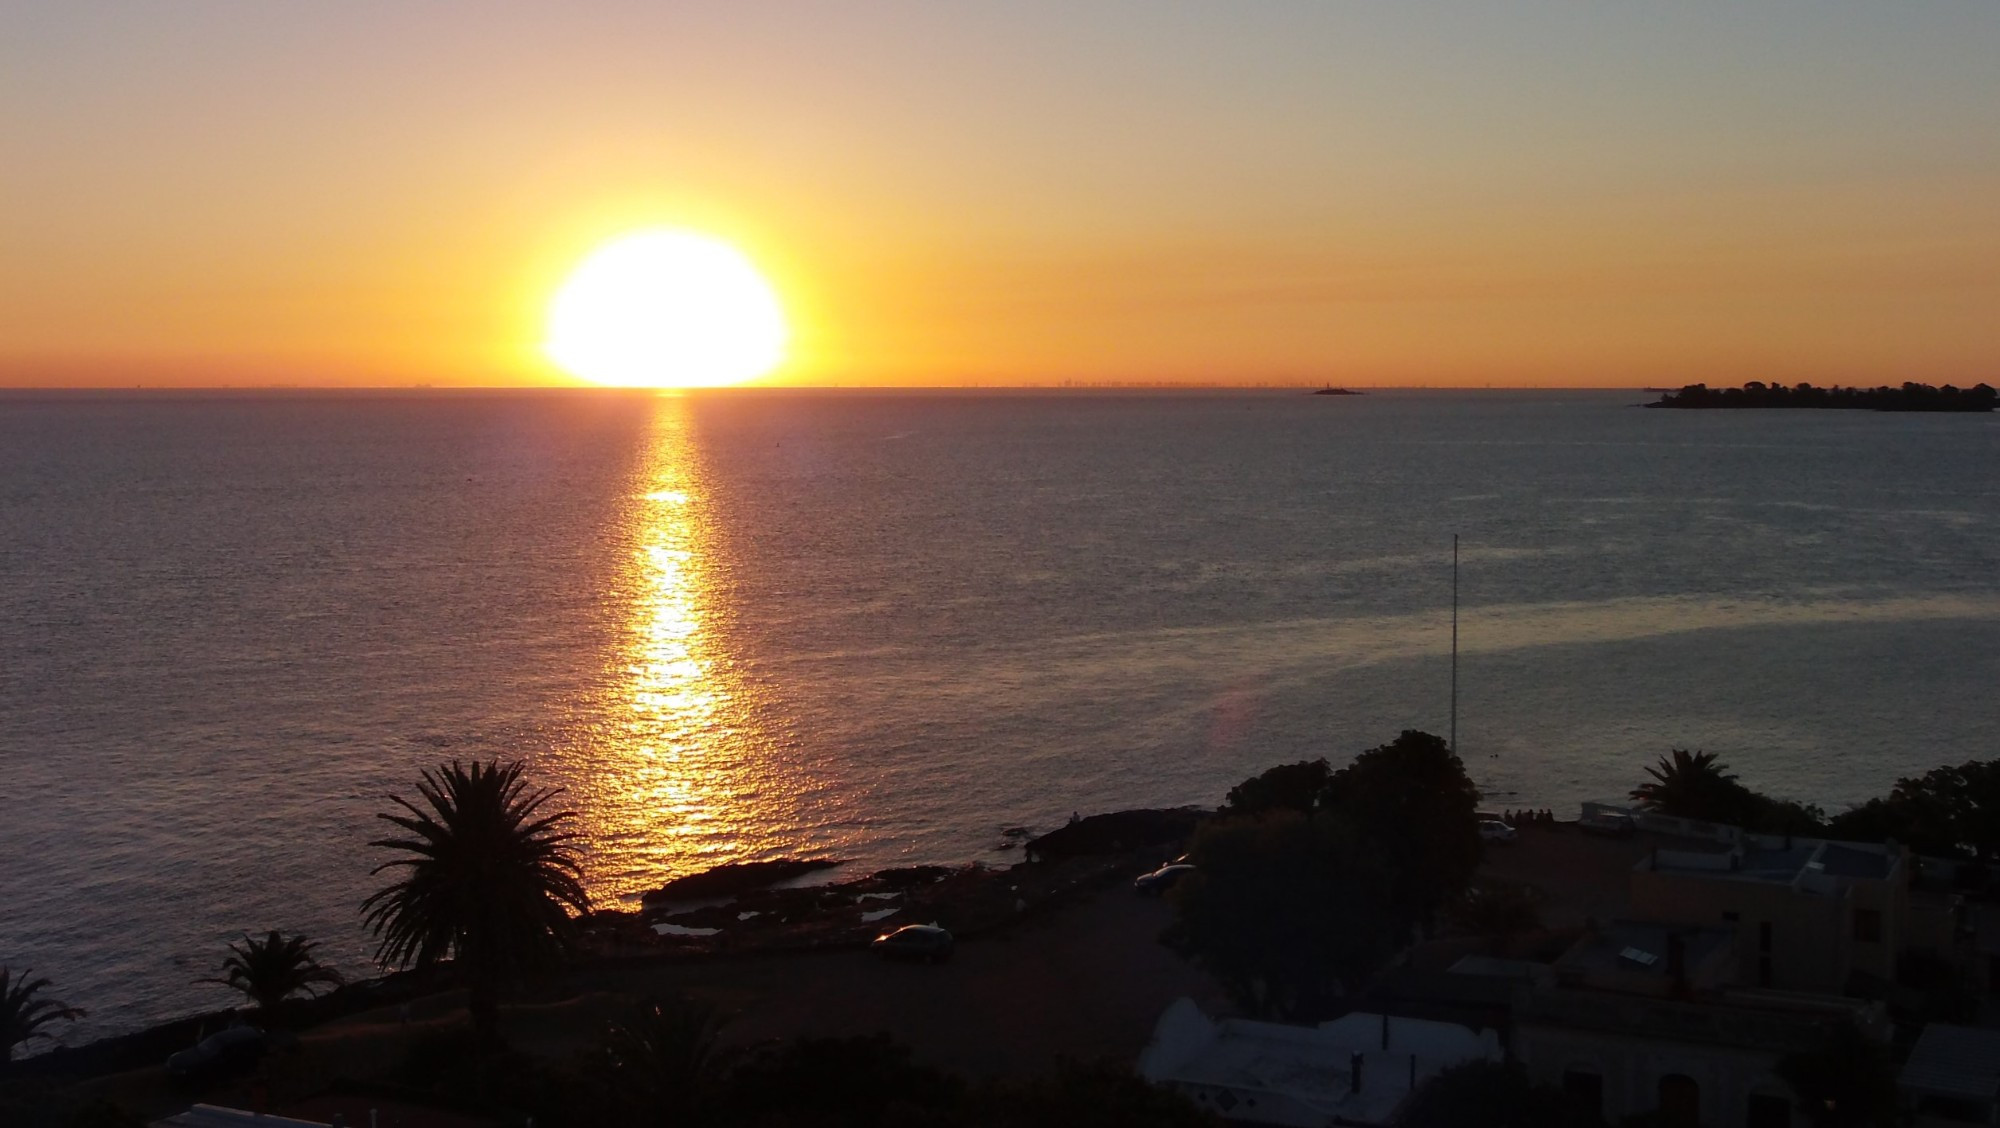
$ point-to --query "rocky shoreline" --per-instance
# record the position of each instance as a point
(757, 919)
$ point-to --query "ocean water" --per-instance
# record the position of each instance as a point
(885, 626)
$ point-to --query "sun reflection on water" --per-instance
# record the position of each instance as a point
(675, 776)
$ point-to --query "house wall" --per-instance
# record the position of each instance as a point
(1631, 1069)
(1810, 933)
(1891, 898)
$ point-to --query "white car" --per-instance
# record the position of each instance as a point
(1496, 831)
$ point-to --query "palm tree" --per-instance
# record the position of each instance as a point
(274, 969)
(488, 879)
(658, 1065)
(22, 1015)
(1695, 785)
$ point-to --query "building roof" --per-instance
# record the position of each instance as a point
(1804, 863)
(1309, 1069)
(1644, 948)
(1780, 1021)
(215, 1116)
(1842, 860)
(1955, 1061)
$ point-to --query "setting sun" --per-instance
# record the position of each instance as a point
(666, 309)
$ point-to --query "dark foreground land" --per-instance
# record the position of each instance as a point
(1081, 977)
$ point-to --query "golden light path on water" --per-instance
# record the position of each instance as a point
(673, 776)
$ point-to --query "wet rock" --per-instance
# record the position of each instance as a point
(736, 877)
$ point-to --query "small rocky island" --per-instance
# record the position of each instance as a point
(1908, 397)
(1330, 390)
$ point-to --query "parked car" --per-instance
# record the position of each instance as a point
(1162, 879)
(914, 942)
(1495, 831)
(221, 1054)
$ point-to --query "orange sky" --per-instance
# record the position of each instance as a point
(243, 193)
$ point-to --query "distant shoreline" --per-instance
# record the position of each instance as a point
(1908, 397)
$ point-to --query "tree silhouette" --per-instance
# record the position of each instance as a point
(658, 1065)
(1292, 787)
(1293, 905)
(1498, 911)
(1696, 785)
(23, 1014)
(1910, 397)
(1412, 803)
(1288, 913)
(489, 879)
(1952, 810)
(273, 969)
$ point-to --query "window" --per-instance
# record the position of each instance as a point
(1586, 1087)
(1680, 1101)
(1767, 1111)
(1868, 926)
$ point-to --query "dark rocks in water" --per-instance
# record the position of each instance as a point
(1115, 833)
(736, 877)
(905, 876)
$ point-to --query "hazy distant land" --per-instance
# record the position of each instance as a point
(1909, 397)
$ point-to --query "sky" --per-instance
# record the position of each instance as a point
(1452, 193)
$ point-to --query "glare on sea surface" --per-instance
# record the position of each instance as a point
(675, 775)
(666, 309)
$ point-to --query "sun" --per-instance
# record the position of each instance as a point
(666, 309)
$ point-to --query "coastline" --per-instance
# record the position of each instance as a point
(977, 900)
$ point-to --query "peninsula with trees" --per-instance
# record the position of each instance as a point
(1908, 397)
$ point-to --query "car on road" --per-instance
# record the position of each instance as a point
(1162, 879)
(914, 942)
(224, 1053)
(1495, 830)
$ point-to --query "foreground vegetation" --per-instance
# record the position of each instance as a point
(659, 1066)
(1309, 879)
(1948, 812)
(489, 880)
(26, 1013)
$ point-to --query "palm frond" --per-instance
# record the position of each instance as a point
(485, 875)
(23, 1014)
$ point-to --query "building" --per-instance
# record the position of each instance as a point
(1807, 914)
(1643, 1017)
(1355, 1070)
(1952, 1076)
(215, 1116)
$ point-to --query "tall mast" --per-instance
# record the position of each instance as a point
(1454, 643)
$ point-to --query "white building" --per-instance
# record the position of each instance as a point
(215, 1116)
(1355, 1070)
(1953, 1076)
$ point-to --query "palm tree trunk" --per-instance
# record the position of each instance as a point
(482, 1002)
(484, 1009)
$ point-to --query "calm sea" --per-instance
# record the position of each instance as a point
(886, 626)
